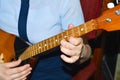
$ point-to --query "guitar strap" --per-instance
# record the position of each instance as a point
(22, 22)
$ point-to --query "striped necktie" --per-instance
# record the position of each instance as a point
(22, 22)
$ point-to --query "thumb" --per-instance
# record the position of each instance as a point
(13, 64)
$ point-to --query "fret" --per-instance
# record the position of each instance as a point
(82, 30)
(37, 50)
(43, 43)
(64, 35)
(50, 42)
(54, 41)
(67, 35)
(58, 39)
(72, 32)
(53, 38)
(91, 27)
(42, 46)
(47, 47)
(39, 47)
(78, 30)
(30, 53)
(33, 49)
(88, 27)
(85, 28)
(33, 52)
(69, 32)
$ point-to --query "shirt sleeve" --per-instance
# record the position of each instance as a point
(71, 14)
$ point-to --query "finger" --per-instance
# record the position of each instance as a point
(72, 52)
(21, 76)
(66, 51)
(69, 59)
(75, 41)
(13, 64)
(25, 78)
(66, 44)
(19, 69)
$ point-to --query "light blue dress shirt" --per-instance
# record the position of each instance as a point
(45, 18)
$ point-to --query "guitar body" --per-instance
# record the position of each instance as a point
(7, 52)
(11, 48)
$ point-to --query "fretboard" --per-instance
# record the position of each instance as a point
(54, 41)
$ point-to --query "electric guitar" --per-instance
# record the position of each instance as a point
(109, 21)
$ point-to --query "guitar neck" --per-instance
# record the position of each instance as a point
(54, 41)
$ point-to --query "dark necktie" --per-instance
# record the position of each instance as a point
(22, 22)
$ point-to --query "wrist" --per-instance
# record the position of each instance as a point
(85, 53)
